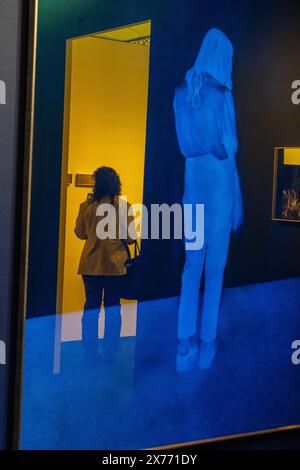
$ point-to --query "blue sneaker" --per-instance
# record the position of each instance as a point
(208, 351)
(186, 360)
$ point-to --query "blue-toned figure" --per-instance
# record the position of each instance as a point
(206, 131)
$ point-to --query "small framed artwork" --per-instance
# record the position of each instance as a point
(286, 184)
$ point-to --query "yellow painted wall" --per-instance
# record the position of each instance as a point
(291, 156)
(108, 109)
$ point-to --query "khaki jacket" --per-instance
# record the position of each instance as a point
(101, 257)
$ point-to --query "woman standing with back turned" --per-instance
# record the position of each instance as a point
(103, 261)
(206, 130)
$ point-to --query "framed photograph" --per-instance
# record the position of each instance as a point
(286, 186)
(161, 302)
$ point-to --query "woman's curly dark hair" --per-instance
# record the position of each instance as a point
(107, 184)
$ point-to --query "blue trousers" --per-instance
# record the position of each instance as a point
(208, 181)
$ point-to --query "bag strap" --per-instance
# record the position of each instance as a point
(137, 250)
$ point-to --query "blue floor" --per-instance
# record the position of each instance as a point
(138, 401)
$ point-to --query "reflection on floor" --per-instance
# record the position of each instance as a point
(71, 323)
(99, 405)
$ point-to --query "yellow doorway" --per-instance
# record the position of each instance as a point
(105, 117)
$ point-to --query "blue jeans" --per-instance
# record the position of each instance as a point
(95, 286)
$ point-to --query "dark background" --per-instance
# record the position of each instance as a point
(11, 30)
(266, 39)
